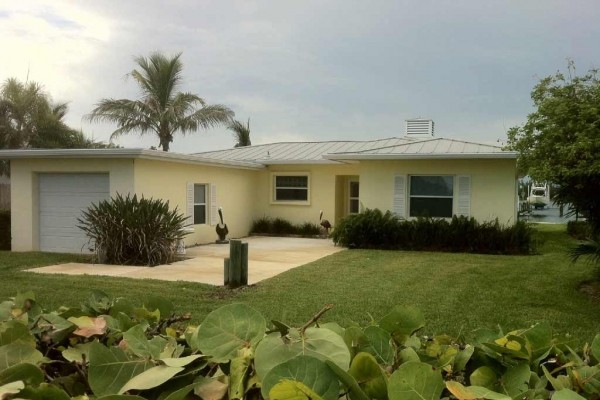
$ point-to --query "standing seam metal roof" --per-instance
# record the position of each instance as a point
(318, 151)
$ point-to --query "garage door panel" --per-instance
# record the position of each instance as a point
(62, 197)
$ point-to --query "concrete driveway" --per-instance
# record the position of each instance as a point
(267, 257)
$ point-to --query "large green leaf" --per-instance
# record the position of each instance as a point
(380, 344)
(473, 392)
(110, 369)
(516, 380)
(11, 331)
(462, 358)
(28, 373)
(229, 329)
(483, 376)
(588, 378)
(292, 390)
(566, 394)
(18, 352)
(165, 306)
(151, 378)
(370, 377)
(356, 393)
(415, 381)
(43, 392)
(210, 388)
(403, 321)
(317, 342)
(136, 342)
(54, 326)
(78, 353)
(310, 371)
(11, 388)
(239, 369)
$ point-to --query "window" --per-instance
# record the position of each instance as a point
(291, 188)
(431, 196)
(200, 192)
(353, 206)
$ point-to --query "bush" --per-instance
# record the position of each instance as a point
(280, 226)
(373, 229)
(114, 348)
(580, 230)
(5, 230)
(128, 231)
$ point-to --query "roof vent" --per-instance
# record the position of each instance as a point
(419, 128)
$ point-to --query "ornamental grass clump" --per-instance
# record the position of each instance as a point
(132, 231)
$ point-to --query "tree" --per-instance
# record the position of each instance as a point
(29, 119)
(161, 109)
(560, 142)
(241, 133)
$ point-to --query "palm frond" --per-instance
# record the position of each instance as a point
(241, 132)
(207, 117)
(130, 115)
(589, 249)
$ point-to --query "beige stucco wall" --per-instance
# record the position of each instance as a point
(322, 195)
(24, 190)
(236, 192)
(493, 189)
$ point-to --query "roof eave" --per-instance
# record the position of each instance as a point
(124, 153)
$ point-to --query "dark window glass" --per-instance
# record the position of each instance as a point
(291, 194)
(431, 207)
(431, 185)
(199, 213)
(199, 193)
(353, 206)
(291, 181)
(353, 189)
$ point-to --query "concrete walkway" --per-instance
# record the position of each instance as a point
(267, 257)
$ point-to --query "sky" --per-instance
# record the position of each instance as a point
(307, 70)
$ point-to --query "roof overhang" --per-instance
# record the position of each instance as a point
(456, 156)
(124, 154)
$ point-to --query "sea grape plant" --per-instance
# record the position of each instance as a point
(114, 349)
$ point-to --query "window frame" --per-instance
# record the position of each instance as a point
(205, 204)
(411, 196)
(274, 188)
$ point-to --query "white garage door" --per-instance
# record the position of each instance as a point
(62, 197)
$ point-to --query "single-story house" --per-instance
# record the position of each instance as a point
(417, 174)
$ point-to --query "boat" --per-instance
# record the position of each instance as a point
(539, 196)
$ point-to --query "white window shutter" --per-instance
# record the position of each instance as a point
(189, 203)
(463, 205)
(214, 216)
(399, 204)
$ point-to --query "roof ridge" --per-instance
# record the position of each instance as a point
(300, 142)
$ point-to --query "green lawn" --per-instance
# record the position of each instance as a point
(456, 292)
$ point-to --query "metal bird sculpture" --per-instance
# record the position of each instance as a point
(324, 223)
(221, 229)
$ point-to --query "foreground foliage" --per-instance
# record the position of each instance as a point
(132, 231)
(372, 229)
(114, 349)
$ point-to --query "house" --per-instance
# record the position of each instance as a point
(417, 174)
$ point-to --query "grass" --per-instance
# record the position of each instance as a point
(456, 292)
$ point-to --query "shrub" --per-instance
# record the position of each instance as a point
(5, 230)
(132, 231)
(373, 229)
(580, 230)
(117, 349)
(280, 226)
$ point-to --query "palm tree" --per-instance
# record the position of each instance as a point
(241, 133)
(161, 109)
(589, 249)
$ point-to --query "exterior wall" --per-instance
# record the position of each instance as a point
(493, 190)
(236, 193)
(322, 195)
(24, 193)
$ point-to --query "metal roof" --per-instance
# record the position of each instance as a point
(124, 153)
(331, 152)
